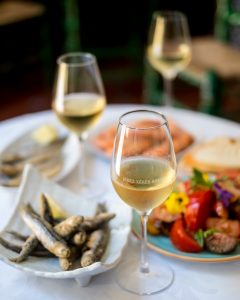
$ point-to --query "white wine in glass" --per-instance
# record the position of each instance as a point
(80, 111)
(79, 101)
(143, 181)
(169, 47)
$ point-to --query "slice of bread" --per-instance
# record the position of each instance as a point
(218, 155)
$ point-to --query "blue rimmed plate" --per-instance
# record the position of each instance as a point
(163, 245)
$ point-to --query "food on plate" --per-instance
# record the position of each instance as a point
(218, 155)
(96, 245)
(46, 157)
(201, 213)
(57, 212)
(18, 249)
(181, 140)
(221, 243)
(74, 240)
(183, 240)
(45, 134)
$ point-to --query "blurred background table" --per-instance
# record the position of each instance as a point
(192, 280)
(31, 44)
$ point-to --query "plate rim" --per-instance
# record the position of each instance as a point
(182, 257)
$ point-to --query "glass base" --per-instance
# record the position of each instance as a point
(129, 278)
(92, 190)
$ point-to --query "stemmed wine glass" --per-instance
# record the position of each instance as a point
(79, 100)
(143, 179)
(169, 48)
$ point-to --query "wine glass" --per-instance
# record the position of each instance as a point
(79, 100)
(169, 48)
(143, 172)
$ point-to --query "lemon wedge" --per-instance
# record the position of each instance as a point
(45, 134)
(57, 210)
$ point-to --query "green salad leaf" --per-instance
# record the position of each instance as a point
(198, 179)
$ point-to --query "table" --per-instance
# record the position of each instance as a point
(192, 280)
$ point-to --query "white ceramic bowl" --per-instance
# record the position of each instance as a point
(33, 184)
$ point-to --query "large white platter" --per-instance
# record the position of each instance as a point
(203, 127)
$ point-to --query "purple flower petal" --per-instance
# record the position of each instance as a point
(223, 195)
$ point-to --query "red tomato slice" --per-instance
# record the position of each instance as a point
(231, 227)
(181, 239)
(198, 209)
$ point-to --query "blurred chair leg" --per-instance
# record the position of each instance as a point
(211, 94)
(71, 25)
(46, 52)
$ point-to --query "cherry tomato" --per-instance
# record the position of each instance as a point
(231, 227)
(198, 209)
(152, 228)
(181, 239)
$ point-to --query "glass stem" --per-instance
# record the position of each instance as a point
(83, 177)
(144, 267)
(168, 92)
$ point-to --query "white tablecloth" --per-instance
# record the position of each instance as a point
(192, 280)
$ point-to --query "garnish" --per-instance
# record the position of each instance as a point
(201, 235)
(200, 179)
(176, 202)
(222, 194)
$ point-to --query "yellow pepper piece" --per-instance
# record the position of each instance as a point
(151, 228)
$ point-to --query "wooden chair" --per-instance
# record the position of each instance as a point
(215, 63)
(15, 19)
(16, 11)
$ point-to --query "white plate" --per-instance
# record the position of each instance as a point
(94, 133)
(70, 150)
(32, 186)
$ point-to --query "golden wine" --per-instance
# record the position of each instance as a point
(143, 182)
(169, 63)
(79, 111)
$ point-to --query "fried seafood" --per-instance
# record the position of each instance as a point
(92, 223)
(44, 232)
(18, 249)
(17, 235)
(74, 239)
(66, 264)
(48, 160)
(29, 245)
(95, 247)
(68, 227)
(45, 210)
(79, 238)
